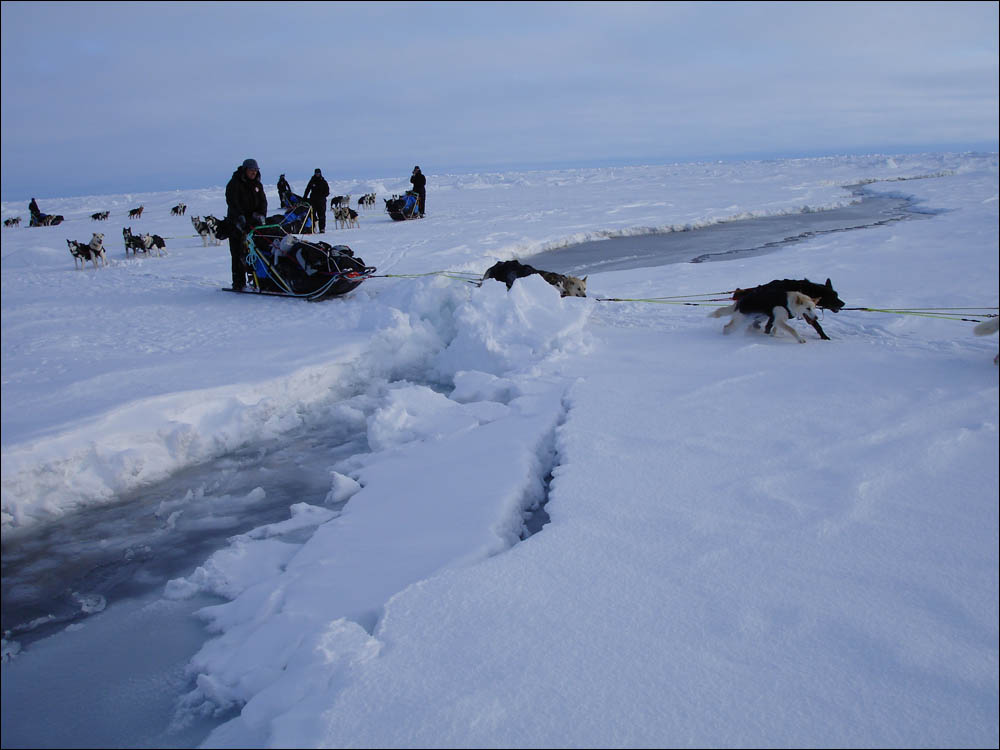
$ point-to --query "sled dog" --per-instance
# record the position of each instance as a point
(824, 294)
(206, 229)
(153, 242)
(778, 306)
(345, 217)
(133, 242)
(92, 251)
(508, 271)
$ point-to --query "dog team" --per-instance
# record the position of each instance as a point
(773, 304)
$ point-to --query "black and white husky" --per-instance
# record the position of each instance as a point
(825, 295)
(206, 229)
(777, 305)
(92, 251)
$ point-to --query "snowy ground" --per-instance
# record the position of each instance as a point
(751, 542)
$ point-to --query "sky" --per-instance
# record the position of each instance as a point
(134, 97)
(750, 541)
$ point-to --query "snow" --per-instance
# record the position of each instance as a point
(751, 542)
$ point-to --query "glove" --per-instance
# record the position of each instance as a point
(259, 219)
(241, 224)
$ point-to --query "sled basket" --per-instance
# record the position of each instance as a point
(278, 262)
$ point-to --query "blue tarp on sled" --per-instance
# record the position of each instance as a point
(298, 219)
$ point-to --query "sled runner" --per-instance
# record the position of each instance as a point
(281, 264)
(403, 207)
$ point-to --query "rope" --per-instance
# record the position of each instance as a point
(662, 301)
(941, 313)
(471, 278)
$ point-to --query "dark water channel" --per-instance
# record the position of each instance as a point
(72, 567)
(726, 241)
(102, 655)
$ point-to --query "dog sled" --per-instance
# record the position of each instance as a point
(46, 220)
(403, 207)
(280, 264)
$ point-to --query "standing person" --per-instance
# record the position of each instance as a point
(419, 183)
(284, 190)
(36, 214)
(316, 192)
(246, 207)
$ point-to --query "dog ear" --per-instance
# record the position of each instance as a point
(829, 285)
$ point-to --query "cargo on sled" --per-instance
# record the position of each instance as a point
(279, 263)
(298, 217)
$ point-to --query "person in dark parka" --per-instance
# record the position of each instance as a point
(419, 183)
(284, 190)
(246, 208)
(316, 192)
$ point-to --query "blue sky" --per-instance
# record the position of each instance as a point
(132, 97)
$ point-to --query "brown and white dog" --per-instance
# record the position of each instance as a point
(84, 251)
(136, 213)
(778, 306)
(508, 271)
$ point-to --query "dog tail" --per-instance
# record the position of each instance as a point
(719, 312)
(987, 327)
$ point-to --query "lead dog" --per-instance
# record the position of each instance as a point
(508, 271)
(780, 307)
(824, 294)
(84, 251)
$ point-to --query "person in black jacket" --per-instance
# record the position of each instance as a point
(419, 183)
(284, 190)
(246, 208)
(316, 192)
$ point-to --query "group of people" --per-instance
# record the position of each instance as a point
(246, 207)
